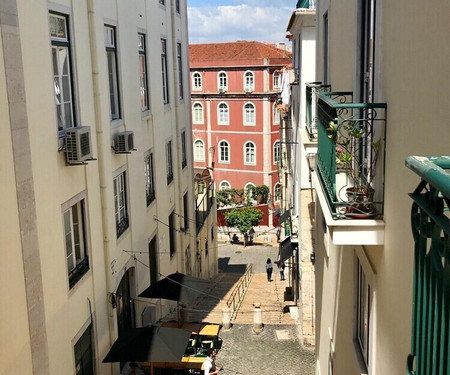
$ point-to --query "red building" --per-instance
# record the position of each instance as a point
(234, 87)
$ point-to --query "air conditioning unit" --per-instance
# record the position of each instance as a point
(78, 145)
(124, 142)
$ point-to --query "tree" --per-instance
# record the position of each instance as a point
(243, 219)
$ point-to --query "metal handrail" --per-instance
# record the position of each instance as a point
(236, 297)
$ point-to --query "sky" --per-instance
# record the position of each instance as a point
(212, 21)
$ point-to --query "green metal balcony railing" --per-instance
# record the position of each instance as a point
(312, 89)
(350, 155)
(430, 220)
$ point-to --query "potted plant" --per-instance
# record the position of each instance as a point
(356, 156)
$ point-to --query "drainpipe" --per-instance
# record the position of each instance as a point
(103, 147)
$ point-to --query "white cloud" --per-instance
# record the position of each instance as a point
(240, 22)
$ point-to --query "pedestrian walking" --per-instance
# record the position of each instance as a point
(269, 269)
(282, 267)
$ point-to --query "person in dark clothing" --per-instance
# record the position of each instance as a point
(269, 269)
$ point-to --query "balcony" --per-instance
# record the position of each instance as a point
(350, 156)
(312, 90)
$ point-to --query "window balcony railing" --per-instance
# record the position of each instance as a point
(78, 271)
(169, 177)
(122, 226)
(204, 206)
(150, 197)
(312, 89)
(350, 155)
(430, 220)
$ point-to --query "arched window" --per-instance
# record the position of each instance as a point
(276, 80)
(276, 115)
(199, 150)
(249, 114)
(196, 81)
(249, 81)
(277, 192)
(224, 185)
(276, 152)
(249, 153)
(224, 152)
(248, 194)
(197, 113)
(222, 81)
(223, 115)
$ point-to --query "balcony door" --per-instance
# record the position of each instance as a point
(368, 8)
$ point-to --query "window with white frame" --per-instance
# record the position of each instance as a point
(277, 192)
(363, 302)
(249, 186)
(197, 113)
(222, 81)
(249, 153)
(164, 72)
(75, 240)
(120, 203)
(249, 81)
(224, 152)
(149, 178)
(62, 71)
(224, 185)
(276, 152)
(113, 72)
(276, 80)
(143, 79)
(276, 115)
(249, 114)
(199, 150)
(196, 81)
(180, 72)
(223, 114)
(169, 162)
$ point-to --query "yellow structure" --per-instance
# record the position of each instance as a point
(97, 176)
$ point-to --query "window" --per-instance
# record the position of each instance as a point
(177, 6)
(277, 192)
(153, 260)
(223, 114)
(206, 248)
(199, 150)
(362, 312)
(249, 114)
(249, 153)
(196, 81)
(84, 354)
(169, 162)
(75, 242)
(113, 72)
(180, 72)
(62, 72)
(248, 189)
(165, 77)
(143, 82)
(224, 155)
(197, 113)
(149, 178)
(162, 2)
(224, 185)
(172, 234)
(185, 211)
(249, 81)
(183, 150)
(120, 204)
(276, 152)
(276, 80)
(222, 81)
(276, 114)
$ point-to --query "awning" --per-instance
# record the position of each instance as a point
(285, 249)
(149, 344)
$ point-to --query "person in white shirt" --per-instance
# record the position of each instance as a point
(209, 366)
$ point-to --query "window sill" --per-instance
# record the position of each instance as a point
(221, 124)
(146, 115)
(116, 123)
(166, 107)
(249, 124)
(224, 162)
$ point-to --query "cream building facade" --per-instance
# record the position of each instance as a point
(98, 180)
(388, 74)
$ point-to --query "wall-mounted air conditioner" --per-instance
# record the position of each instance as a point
(124, 142)
(78, 146)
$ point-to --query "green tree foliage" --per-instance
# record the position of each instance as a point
(243, 219)
(259, 194)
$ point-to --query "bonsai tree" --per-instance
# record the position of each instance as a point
(243, 219)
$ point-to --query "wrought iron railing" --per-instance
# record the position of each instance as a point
(312, 89)
(204, 207)
(237, 295)
(122, 226)
(78, 271)
(350, 155)
(430, 219)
